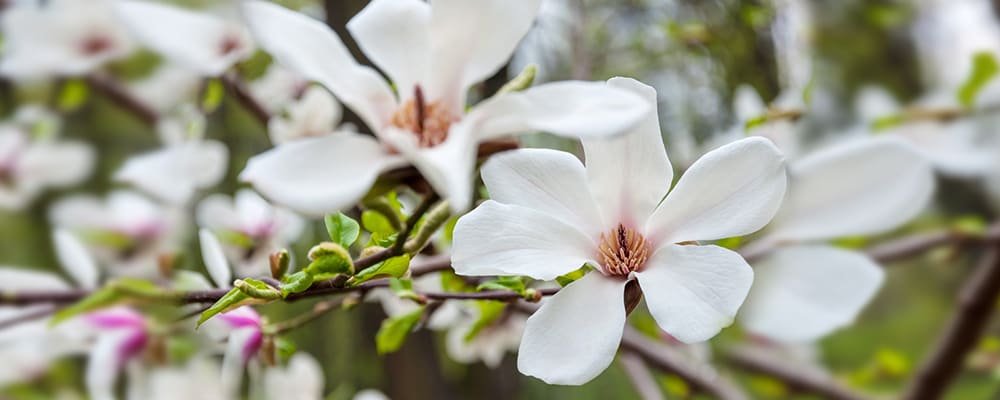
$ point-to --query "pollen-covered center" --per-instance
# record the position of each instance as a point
(429, 121)
(623, 250)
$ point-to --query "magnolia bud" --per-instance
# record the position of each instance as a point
(279, 263)
(330, 258)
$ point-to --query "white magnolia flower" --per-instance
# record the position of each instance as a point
(549, 215)
(198, 379)
(126, 231)
(251, 229)
(490, 344)
(177, 171)
(277, 87)
(433, 54)
(167, 87)
(30, 165)
(301, 379)
(317, 113)
(804, 289)
(60, 37)
(196, 40)
(31, 346)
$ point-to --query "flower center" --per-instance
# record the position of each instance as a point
(229, 45)
(623, 250)
(96, 44)
(429, 121)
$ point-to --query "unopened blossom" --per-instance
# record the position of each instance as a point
(805, 289)
(549, 215)
(250, 228)
(29, 165)
(197, 40)
(315, 113)
(60, 38)
(127, 232)
(433, 53)
(301, 379)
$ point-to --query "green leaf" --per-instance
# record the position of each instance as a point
(343, 230)
(329, 259)
(212, 95)
(731, 243)
(235, 298)
(394, 267)
(513, 284)
(451, 282)
(489, 312)
(393, 332)
(520, 82)
(984, 68)
(257, 289)
(73, 94)
(971, 225)
(404, 289)
(102, 298)
(286, 348)
(382, 240)
(573, 276)
(755, 122)
(376, 223)
(889, 121)
(296, 283)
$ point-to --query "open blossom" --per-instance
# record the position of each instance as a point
(549, 215)
(196, 40)
(805, 289)
(127, 232)
(29, 165)
(251, 229)
(433, 53)
(60, 37)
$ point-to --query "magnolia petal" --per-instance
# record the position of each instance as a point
(461, 55)
(243, 345)
(320, 175)
(57, 164)
(630, 174)
(448, 167)
(395, 35)
(75, 259)
(802, 293)
(215, 259)
(694, 291)
(549, 181)
(24, 279)
(568, 108)
(731, 191)
(500, 239)
(174, 173)
(575, 334)
(216, 212)
(302, 379)
(310, 48)
(860, 187)
(206, 43)
(106, 360)
(747, 104)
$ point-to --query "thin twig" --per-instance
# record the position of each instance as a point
(797, 379)
(120, 96)
(642, 379)
(242, 94)
(976, 303)
(319, 309)
(42, 312)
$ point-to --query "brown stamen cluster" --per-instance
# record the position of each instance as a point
(96, 44)
(623, 250)
(429, 121)
(229, 44)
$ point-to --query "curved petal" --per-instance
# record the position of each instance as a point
(500, 239)
(630, 174)
(57, 164)
(861, 187)
(549, 181)
(75, 259)
(174, 173)
(805, 292)
(731, 191)
(310, 48)
(302, 379)
(243, 345)
(747, 104)
(253, 209)
(321, 175)
(448, 167)
(395, 35)
(694, 291)
(106, 360)
(568, 108)
(206, 43)
(575, 334)
(217, 212)
(215, 259)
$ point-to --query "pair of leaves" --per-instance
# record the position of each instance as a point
(121, 291)
(247, 292)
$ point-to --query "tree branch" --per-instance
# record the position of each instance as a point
(239, 90)
(120, 96)
(976, 303)
(642, 379)
(796, 379)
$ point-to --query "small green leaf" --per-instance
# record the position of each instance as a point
(257, 289)
(451, 282)
(731, 243)
(394, 267)
(102, 298)
(513, 284)
(887, 122)
(343, 230)
(970, 225)
(755, 122)
(404, 289)
(73, 94)
(393, 332)
(573, 276)
(520, 82)
(489, 312)
(212, 94)
(376, 223)
(286, 348)
(382, 240)
(296, 283)
(984, 68)
(235, 298)
(329, 259)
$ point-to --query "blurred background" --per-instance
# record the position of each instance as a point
(815, 69)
